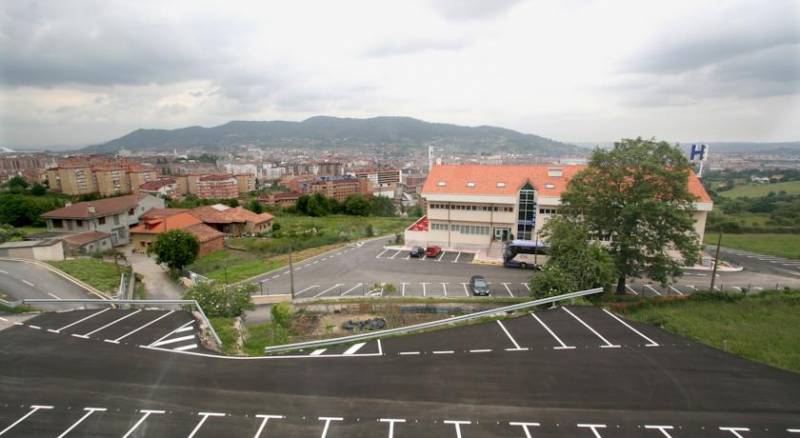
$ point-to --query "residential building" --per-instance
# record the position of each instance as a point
(71, 179)
(164, 187)
(340, 188)
(471, 206)
(110, 215)
(29, 166)
(157, 221)
(89, 242)
(81, 177)
(280, 199)
(298, 183)
(216, 187)
(233, 221)
(45, 249)
(245, 182)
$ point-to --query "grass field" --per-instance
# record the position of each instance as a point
(763, 327)
(781, 245)
(753, 190)
(98, 273)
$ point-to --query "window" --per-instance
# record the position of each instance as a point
(116, 219)
(549, 185)
(500, 185)
(441, 184)
(79, 223)
(547, 211)
(526, 216)
(57, 223)
(470, 184)
(101, 221)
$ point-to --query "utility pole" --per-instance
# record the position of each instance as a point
(291, 272)
(716, 260)
(536, 253)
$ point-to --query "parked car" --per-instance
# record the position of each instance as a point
(433, 251)
(478, 285)
(417, 251)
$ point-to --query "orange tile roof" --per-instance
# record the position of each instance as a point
(204, 233)
(158, 225)
(506, 180)
(87, 237)
(216, 214)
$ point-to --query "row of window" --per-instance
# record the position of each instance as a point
(471, 207)
(463, 229)
(547, 211)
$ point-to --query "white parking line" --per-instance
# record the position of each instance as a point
(608, 344)
(110, 324)
(177, 330)
(676, 290)
(54, 296)
(351, 289)
(146, 413)
(382, 253)
(457, 424)
(662, 429)
(3, 272)
(424, 289)
(788, 430)
(186, 347)
(594, 428)
(89, 411)
(202, 421)
(631, 289)
(526, 287)
(395, 255)
(481, 350)
(307, 289)
(28, 283)
(354, 348)
(444, 288)
(317, 352)
(511, 338)
(391, 422)
(457, 256)
(173, 341)
(651, 288)
(524, 427)
(33, 410)
(735, 430)
(328, 289)
(408, 353)
(264, 423)
(563, 346)
(84, 319)
(440, 257)
(443, 352)
(141, 327)
(652, 343)
(327, 421)
(508, 289)
(403, 289)
(466, 290)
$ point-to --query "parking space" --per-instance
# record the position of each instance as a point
(106, 420)
(442, 257)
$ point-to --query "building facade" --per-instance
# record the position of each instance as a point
(472, 206)
(216, 187)
(340, 188)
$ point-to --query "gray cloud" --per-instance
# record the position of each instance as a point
(473, 9)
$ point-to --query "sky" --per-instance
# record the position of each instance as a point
(74, 73)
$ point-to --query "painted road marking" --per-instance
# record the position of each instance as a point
(28, 283)
(329, 289)
(526, 287)
(317, 352)
(403, 289)
(424, 289)
(651, 288)
(275, 276)
(652, 343)
(443, 352)
(186, 347)
(508, 289)
(351, 289)
(457, 256)
(307, 289)
(391, 422)
(481, 350)
(524, 427)
(631, 289)
(408, 353)
(111, 323)
(395, 255)
(173, 341)
(327, 421)
(440, 257)
(202, 421)
(354, 348)
(563, 346)
(444, 288)
(144, 326)
(676, 290)
(146, 413)
(662, 429)
(89, 411)
(84, 319)
(466, 291)
(382, 253)
(594, 428)
(3, 272)
(608, 344)
(457, 424)
(35, 327)
(788, 430)
(183, 327)
(511, 338)
(54, 296)
(735, 430)
(264, 422)
(33, 410)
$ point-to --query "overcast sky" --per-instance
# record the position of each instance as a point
(82, 72)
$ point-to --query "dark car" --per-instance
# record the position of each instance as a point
(433, 251)
(479, 286)
(417, 251)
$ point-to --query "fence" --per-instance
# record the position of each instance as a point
(430, 325)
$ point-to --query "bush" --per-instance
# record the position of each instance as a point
(217, 300)
(552, 281)
(282, 314)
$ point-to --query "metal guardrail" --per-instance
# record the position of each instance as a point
(118, 302)
(428, 325)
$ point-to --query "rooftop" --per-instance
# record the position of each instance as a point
(222, 214)
(98, 208)
(87, 237)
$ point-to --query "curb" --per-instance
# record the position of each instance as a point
(60, 273)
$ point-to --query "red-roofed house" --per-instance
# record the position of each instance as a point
(469, 206)
(163, 220)
(232, 221)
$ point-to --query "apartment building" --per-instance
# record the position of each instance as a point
(216, 187)
(245, 182)
(280, 199)
(28, 166)
(340, 188)
(471, 206)
(81, 178)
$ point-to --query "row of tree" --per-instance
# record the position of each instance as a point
(318, 205)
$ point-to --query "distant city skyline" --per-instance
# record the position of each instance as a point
(76, 73)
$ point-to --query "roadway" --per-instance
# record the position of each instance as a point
(577, 372)
(19, 280)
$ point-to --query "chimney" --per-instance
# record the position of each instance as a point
(91, 209)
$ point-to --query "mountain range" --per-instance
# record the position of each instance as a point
(322, 132)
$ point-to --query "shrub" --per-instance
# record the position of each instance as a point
(281, 314)
(218, 300)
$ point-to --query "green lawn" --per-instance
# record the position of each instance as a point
(98, 273)
(753, 190)
(233, 265)
(764, 327)
(781, 245)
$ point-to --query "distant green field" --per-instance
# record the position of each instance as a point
(781, 245)
(753, 190)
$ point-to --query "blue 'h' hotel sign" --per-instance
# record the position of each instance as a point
(698, 152)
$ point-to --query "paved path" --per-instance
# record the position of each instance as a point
(158, 284)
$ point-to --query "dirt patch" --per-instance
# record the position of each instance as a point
(311, 325)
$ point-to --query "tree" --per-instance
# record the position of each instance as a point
(176, 248)
(16, 184)
(572, 249)
(233, 202)
(255, 206)
(357, 205)
(382, 206)
(38, 189)
(416, 211)
(318, 205)
(302, 204)
(217, 300)
(281, 314)
(637, 194)
(553, 280)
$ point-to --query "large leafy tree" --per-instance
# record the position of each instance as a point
(637, 194)
(176, 248)
(357, 205)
